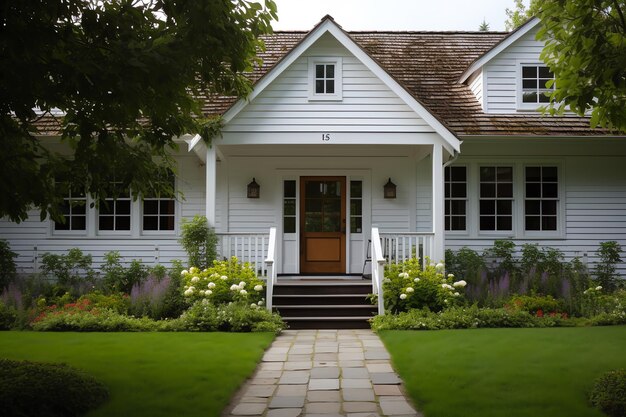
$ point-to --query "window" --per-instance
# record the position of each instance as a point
(496, 198)
(159, 213)
(456, 198)
(114, 213)
(541, 198)
(289, 206)
(356, 206)
(534, 90)
(74, 210)
(325, 80)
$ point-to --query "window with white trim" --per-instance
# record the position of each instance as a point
(496, 198)
(356, 206)
(114, 213)
(74, 210)
(325, 79)
(541, 204)
(534, 90)
(456, 198)
(159, 213)
(289, 206)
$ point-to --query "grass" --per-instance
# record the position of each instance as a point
(505, 372)
(150, 374)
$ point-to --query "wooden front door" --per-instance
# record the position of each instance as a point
(323, 225)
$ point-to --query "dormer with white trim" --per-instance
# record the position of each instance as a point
(510, 77)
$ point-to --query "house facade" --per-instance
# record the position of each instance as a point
(431, 138)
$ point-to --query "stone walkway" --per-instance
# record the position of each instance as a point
(323, 373)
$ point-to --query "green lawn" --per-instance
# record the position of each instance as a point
(505, 372)
(151, 374)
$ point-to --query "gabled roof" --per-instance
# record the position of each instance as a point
(499, 47)
(328, 25)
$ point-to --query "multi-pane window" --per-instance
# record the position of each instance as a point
(74, 210)
(541, 198)
(114, 213)
(324, 78)
(159, 213)
(456, 198)
(289, 206)
(356, 206)
(496, 198)
(534, 79)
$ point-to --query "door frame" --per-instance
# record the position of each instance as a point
(342, 234)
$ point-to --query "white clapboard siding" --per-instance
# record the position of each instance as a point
(476, 85)
(501, 73)
(593, 181)
(368, 105)
(150, 249)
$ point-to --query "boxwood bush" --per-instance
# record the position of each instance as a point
(46, 389)
(609, 393)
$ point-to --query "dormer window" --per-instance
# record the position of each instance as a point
(534, 91)
(325, 78)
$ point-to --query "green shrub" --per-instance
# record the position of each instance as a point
(605, 270)
(536, 304)
(8, 316)
(203, 316)
(118, 278)
(43, 389)
(407, 286)
(68, 270)
(117, 302)
(8, 270)
(609, 393)
(222, 283)
(199, 241)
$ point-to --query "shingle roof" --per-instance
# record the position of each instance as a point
(428, 65)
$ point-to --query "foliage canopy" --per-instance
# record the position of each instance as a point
(126, 75)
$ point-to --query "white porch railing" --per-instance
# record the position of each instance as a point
(395, 248)
(398, 247)
(247, 247)
(270, 261)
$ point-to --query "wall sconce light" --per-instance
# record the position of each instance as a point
(254, 189)
(390, 189)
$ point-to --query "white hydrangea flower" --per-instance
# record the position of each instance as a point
(456, 294)
(193, 270)
(450, 276)
(211, 285)
(253, 305)
(403, 296)
(189, 291)
(599, 287)
(460, 284)
(260, 302)
(184, 272)
(242, 284)
(403, 275)
(205, 270)
(205, 302)
(447, 286)
(208, 292)
(223, 277)
(409, 289)
(258, 287)
(234, 287)
(195, 279)
(243, 292)
(440, 267)
(215, 275)
(416, 280)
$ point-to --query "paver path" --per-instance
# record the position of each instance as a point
(323, 373)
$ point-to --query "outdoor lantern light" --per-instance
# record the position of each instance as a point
(254, 189)
(390, 189)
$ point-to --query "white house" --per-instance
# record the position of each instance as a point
(335, 117)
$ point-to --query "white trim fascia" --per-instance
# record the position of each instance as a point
(493, 52)
(195, 144)
(450, 142)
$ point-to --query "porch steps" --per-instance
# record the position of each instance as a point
(314, 303)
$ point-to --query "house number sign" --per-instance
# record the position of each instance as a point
(325, 137)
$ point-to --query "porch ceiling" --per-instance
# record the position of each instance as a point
(326, 150)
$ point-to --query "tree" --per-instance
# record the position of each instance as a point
(586, 50)
(127, 75)
(484, 26)
(520, 14)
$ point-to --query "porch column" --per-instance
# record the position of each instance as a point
(211, 184)
(438, 204)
